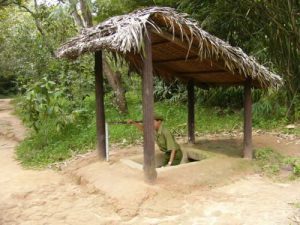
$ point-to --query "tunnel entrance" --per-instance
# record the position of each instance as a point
(190, 156)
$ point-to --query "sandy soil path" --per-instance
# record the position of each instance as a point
(41, 197)
(111, 193)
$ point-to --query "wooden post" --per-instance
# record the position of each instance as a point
(100, 115)
(248, 150)
(148, 105)
(191, 112)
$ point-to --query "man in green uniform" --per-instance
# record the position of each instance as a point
(165, 141)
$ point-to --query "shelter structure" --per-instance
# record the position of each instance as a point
(160, 41)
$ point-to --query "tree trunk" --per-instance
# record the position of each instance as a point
(77, 18)
(86, 13)
(290, 104)
(114, 79)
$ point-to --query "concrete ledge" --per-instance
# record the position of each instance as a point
(132, 164)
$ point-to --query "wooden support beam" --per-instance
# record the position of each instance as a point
(176, 60)
(148, 106)
(219, 78)
(205, 72)
(100, 113)
(160, 42)
(191, 112)
(248, 149)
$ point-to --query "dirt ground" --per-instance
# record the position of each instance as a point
(220, 190)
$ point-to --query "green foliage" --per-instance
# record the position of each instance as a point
(269, 161)
(49, 145)
(296, 205)
(44, 100)
(173, 92)
(222, 97)
(269, 111)
(295, 163)
(269, 30)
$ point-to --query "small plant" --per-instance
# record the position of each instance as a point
(271, 162)
(295, 163)
(296, 205)
(268, 160)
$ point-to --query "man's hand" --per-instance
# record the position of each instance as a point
(136, 124)
(130, 121)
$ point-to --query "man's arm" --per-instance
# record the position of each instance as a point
(137, 125)
(172, 156)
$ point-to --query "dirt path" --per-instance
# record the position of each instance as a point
(41, 197)
(112, 193)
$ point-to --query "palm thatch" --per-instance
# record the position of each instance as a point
(180, 48)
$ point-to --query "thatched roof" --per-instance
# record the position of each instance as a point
(180, 48)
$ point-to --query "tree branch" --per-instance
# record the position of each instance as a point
(77, 18)
(37, 24)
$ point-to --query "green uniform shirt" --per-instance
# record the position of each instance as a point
(167, 143)
(165, 140)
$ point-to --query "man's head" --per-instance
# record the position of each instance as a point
(157, 121)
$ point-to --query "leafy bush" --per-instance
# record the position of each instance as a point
(45, 100)
(172, 92)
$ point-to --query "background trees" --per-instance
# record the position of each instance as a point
(269, 30)
(32, 30)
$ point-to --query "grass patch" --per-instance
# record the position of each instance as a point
(295, 163)
(271, 162)
(296, 205)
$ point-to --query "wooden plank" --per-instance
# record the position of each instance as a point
(100, 114)
(148, 106)
(213, 77)
(168, 51)
(191, 112)
(248, 149)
